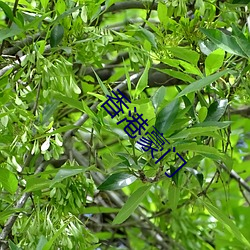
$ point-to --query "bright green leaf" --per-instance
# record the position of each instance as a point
(214, 61)
(8, 180)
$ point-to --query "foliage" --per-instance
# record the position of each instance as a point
(70, 177)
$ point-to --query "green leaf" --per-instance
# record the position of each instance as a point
(143, 81)
(177, 74)
(158, 97)
(49, 244)
(147, 35)
(162, 12)
(132, 203)
(166, 116)
(99, 210)
(198, 175)
(104, 89)
(245, 2)
(186, 54)
(202, 114)
(35, 183)
(13, 246)
(219, 125)
(227, 223)
(41, 243)
(193, 132)
(66, 172)
(197, 85)
(9, 32)
(70, 101)
(223, 41)
(8, 180)
(117, 181)
(216, 110)
(214, 61)
(7, 10)
(56, 35)
(173, 196)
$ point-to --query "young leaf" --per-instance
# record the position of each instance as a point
(49, 244)
(214, 61)
(166, 116)
(117, 181)
(56, 35)
(186, 54)
(132, 203)
(162, 12)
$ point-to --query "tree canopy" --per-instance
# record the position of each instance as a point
(124, 124)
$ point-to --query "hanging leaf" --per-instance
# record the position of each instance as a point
(7, 10)
(228, 224)
(173, 196)
(132, 203)
(56, 35)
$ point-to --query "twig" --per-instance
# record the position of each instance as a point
(148, 14)
(236, 177)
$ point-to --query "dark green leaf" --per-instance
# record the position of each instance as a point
(216, 110)
(7, 10)
(197, 85)
(245, 2)
(223, 41)
(117, 181)
(56, 35)
(166, 116)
